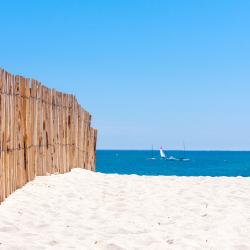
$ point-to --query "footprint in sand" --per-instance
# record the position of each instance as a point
(113, 246)
(53, 243)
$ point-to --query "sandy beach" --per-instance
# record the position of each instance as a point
(87, 210)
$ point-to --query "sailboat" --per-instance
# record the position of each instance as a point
(152, 154)
(162, 153)
(163, 156)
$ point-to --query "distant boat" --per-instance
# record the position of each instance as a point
(162, 153)
(163, 156)
(171, 158)
(152, 154)
(184, 158)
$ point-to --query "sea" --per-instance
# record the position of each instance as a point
(200, 163)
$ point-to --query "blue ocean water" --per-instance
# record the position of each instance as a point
(202, 163)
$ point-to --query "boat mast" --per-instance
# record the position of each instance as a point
(184, 147)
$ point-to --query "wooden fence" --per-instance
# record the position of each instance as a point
(42, 131)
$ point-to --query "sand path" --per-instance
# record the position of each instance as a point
(86, 210)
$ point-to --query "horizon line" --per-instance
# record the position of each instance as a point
(231, 150)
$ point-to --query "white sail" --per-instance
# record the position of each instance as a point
(162, 153)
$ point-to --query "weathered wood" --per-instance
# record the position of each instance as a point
(42, 131)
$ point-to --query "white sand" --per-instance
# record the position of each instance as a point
(85, 210)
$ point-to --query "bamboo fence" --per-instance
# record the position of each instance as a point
(42, 131)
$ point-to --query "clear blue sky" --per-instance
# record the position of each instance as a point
(151, 72)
